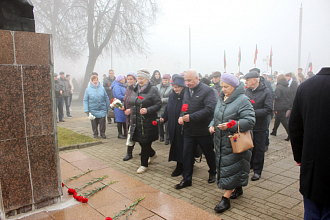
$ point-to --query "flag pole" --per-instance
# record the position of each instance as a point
(189, 48)
(300, 29)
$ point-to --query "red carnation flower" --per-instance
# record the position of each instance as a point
(79, 198)
(62, 184)
(74, 195)
(111, 101)
(154, 123)
(140, 97)
(84, 200)
(275, 112)
(71, 191)
(246, 87)
(231, 124)
(184, 108)
(108, 218)
(252, 101)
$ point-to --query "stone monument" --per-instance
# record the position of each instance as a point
(29, 163)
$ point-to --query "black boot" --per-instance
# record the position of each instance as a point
(120, 131)
(273, 133)
(129, 155)
(223, 205)
(178, 170)
(124, 128)
(237, 192)
(109, 120)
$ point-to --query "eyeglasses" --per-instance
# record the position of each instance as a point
(176, 87)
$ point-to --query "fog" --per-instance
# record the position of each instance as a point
(218, 25)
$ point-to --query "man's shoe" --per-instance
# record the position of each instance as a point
(69, 116)
(103, 136)
(151, 159)
(96, 136)
(274, 134)
(237, 192)
(211, 178)
(183, 184)
(287, 139)
(255, 177)
(142, 169)
(167, 142)
(62, 120)
(109, 122)
(120, 136)
(161, 139)
(223, 205)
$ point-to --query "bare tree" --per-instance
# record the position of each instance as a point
(97, 24)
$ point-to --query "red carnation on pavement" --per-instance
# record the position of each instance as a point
(154, 123)
(108, 218)
(74, 195)
(231, 124)
(184, 108)
(79, 198)
(71, 191)
(252, 101)
(62, 184)
(140, 97)
(84, 200)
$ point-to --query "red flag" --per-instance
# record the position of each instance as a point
(255, 55)
(271, 57)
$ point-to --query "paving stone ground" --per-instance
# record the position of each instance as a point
(275, 196)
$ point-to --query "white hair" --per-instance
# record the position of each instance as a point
(193, 73)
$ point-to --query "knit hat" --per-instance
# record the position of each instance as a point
(120, 77)
(230, 79)
(167, 76)
(132, 74)
(178, 80)
(144, 73)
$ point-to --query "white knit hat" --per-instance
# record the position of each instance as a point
(143, 73)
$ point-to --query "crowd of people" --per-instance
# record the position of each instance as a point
(189, 111)
(63, 94)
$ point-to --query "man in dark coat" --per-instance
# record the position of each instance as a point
(269, 86)
(107, 82)
(201, 104)
(59, 87)
(216, 81)
(262, 101)
(293, 85)
(309, 130)
(66, 93)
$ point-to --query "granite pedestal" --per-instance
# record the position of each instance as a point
(29, 161)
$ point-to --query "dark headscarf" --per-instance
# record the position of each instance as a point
(155, 81)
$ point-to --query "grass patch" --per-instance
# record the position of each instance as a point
(67, 137)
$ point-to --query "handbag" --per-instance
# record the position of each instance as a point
(241, 141)
(111, 113)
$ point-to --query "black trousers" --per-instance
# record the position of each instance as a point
(258, 152)
(95, 123)
(280, 117)
(206, 144)
(146, 152)
(161, 130)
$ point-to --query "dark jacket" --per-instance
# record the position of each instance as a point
(282, 96)
(233, 169)
(269, 86)
(217, 87)
(58, 87)
(293, 89)
(66, 86)
(153, 103)
(171, 114)
(263, 105)
(200, 109)
(128, 94)
(309, 133)
(107, 82)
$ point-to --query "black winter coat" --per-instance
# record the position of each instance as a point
(282, 96)
(200, 109)
(58, 87)
(171, 114)
(269, 86)
(66, 87)
(217, 87)
(309, 133)
(293, 89)
(106, 84)
(152, 102)
(128, 94)
(263, 105)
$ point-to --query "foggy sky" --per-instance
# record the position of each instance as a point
(218, 25)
